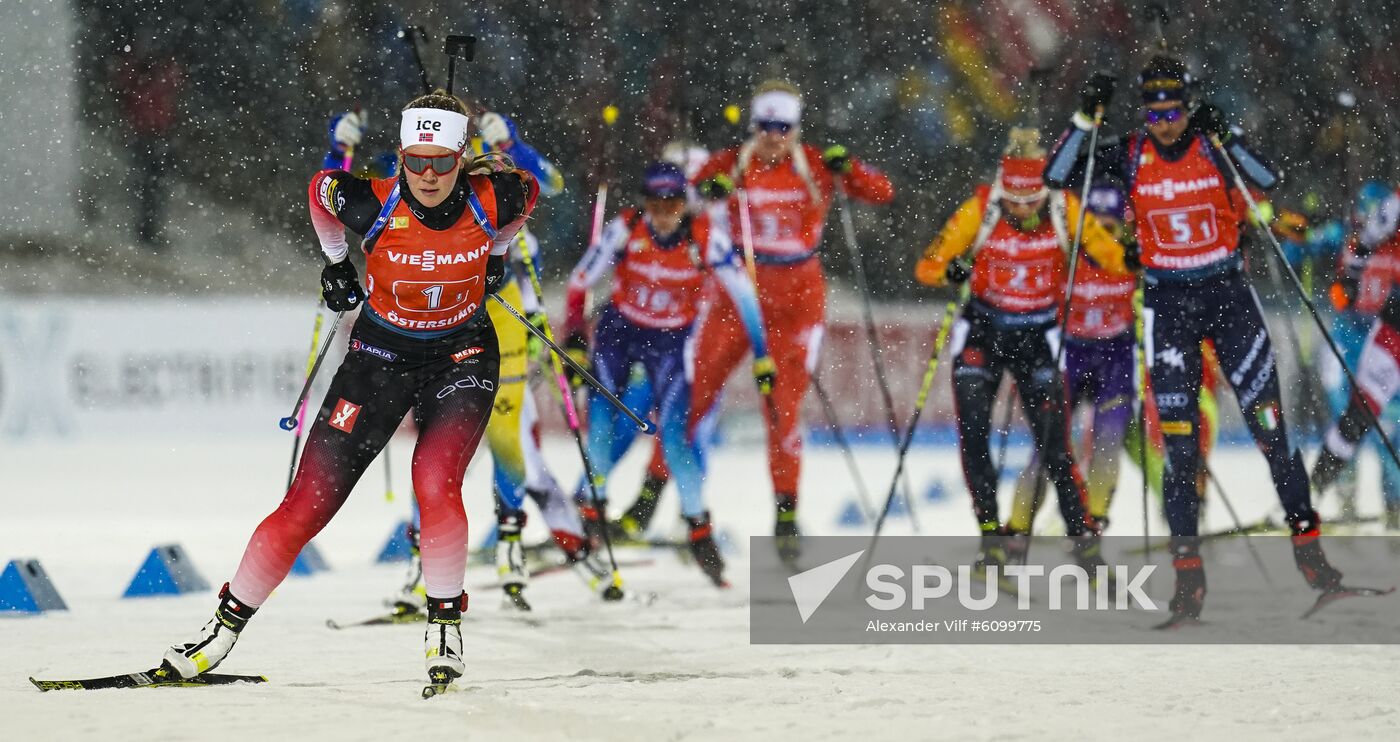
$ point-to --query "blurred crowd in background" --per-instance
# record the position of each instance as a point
(231, 97)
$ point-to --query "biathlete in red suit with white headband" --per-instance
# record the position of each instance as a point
(779, 190)
(435, 239)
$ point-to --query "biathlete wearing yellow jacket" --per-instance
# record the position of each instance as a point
(519, 466)
(1016, 235)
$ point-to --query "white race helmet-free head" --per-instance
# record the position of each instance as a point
(776, 101)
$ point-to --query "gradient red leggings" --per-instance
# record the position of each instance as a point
(793, 301)
(366, 402)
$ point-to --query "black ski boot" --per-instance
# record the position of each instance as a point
(593, 525)
(786, 535)
(635, 521)
(1328, 468)
(993, 549)
(705, 550)
(999, 549)
(411, 599)
(1017, 545)
(1309, 556)
(510, 557)
(1190, 595)
(1088, 553)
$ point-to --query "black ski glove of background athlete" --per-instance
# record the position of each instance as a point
(1132, 254)
(1098, 91)
(340, 286)
(577, 347)
(1208, 119)
(958, 272)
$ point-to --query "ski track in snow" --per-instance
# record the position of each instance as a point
(679, 669)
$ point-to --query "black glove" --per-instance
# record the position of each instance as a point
(765, 372)
(837, 159)
(495, 274)
(958, 272)
(1209, 120)
(716, 188)
(577, 348)
(1132, 254)
(1096, 93)
(340, 286)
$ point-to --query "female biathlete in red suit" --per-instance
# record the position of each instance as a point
(435, 242)
(789, 186)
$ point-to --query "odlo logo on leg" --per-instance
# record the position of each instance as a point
(343, 416)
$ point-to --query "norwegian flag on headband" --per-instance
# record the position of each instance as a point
(1021, 172)
(777, 105)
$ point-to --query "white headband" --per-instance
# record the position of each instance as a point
(433, 126)
(776, 105)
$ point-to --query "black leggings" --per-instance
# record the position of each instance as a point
(983, 352)
(1224, 309)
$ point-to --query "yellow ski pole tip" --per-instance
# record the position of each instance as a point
(731, 113)
(609, 115)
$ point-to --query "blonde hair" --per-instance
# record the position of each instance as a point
(441, 100)
(489, 162)
(1023, 143)
(774, 83)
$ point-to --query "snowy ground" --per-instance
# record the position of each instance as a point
(680, 668)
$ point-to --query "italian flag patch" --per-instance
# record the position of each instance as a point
(1268, 417)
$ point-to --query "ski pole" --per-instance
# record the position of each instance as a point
(1239, 525)
(1157, 16)
(1140, 325)
(301, 414)
(1005, 433)
(830, 412)
(644, 426)
(457, 45)
(877, 358)
(313, 361)
(750, 263)
(924, 387)
(1302, 293)
(741, 194)
(1308, 422)
(614, 589)
(290, 421)
(1069, 285)
(600, 199)
(411, 34)
(388, 470)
